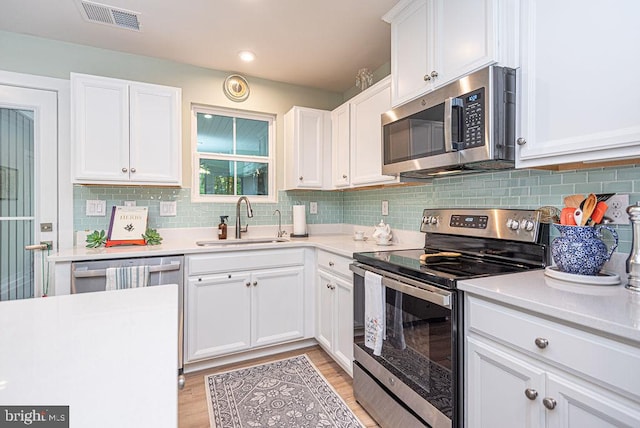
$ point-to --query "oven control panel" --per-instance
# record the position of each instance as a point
(516, 225)
(469, 221)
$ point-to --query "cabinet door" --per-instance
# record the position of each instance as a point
(218, 315)
(343, 323)
(464, 38)
(305, 134)
(100, 139)
(579, 405)
(155, 147)
(277, 302)
(324, 310)
(576, 102)
(411, 51)
(366, 135)
(340, 132)
(496, 383)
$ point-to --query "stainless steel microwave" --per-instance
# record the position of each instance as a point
(465, 126)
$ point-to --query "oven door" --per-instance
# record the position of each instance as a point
(418, 360)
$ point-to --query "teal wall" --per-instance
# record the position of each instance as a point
(527, 189)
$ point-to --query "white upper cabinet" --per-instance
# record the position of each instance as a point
(125, 132)
(366, 135)
(307, 136)
(340, 135)
(578, 85)
(436, 41)
(357, 138)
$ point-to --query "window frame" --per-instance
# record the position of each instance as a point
(270, 160)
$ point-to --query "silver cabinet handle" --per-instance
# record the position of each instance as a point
(427, 77)
(133, 170)
(531, 394)
(541, 342)
(124, 169)
(521, 141)
(549, 403)
(434, 73)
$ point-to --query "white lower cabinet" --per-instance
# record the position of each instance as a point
(525, 371)
(334, 298)
(236, 310)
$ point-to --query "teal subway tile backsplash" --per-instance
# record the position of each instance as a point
(527, 189)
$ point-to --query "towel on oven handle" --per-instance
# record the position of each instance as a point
(374, 312)
(127, 277)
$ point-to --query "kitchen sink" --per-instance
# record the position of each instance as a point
(224, 242)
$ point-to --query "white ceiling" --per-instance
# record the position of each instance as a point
(315, 43)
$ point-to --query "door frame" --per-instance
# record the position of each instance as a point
(65, 188)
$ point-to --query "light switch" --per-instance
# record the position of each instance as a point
(168, 208)
(96, 208)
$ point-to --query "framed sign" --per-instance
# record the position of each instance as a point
(127, 226)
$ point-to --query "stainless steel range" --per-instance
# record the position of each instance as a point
(408, 312)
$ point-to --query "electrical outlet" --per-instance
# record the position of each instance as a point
(313, 208)
(168, 208)
(617, 209)
(385, 207)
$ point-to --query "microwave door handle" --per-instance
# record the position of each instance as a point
(449, 144)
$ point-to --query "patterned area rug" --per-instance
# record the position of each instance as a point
(287, 393)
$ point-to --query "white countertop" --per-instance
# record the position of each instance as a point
(111, 356)
(609, 309)
(183, 241)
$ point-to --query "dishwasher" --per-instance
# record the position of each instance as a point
(91, 276)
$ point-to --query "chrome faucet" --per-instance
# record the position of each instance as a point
(281, 232)
(239, 229)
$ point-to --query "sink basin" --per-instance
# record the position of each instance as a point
(223, 242)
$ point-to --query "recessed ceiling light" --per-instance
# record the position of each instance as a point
(207, 116)
(246, 56)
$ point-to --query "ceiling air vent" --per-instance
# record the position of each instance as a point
(109, 15)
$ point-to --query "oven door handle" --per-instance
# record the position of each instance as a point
(413, 288)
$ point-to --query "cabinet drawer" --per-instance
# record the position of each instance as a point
(334, 263)
(243, 260)
(580, 352)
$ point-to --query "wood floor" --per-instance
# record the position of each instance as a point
(192, 400)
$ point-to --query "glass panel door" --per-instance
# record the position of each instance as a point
(28, 188)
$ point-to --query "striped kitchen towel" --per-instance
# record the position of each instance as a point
(127, 277)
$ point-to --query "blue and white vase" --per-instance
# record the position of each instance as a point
(579, 249)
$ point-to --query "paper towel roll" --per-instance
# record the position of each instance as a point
(299, 220)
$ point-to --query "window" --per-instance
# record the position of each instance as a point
(233, 155)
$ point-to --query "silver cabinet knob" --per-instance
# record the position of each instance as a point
(344, 176)
(133, 170)
(541, 342)
(521, 141)
(331, 264)
(124, 170)
(300, 178)
(392, 381)
(549, 403)
(434, 73)
(255, 283)
(531, 394)
(427, 77)
(328, 286)
(248, 284)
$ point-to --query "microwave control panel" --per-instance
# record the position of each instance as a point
(472, 121)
